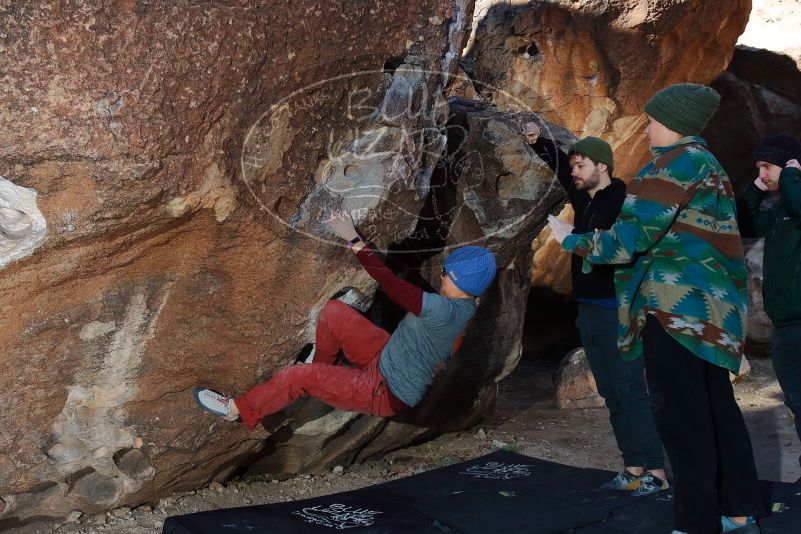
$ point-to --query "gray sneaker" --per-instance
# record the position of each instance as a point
(650, 484)
(622, 481)
(750, 526)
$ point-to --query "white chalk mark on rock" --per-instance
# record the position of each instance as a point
(21, 240)
(95, 329)
(91, 426)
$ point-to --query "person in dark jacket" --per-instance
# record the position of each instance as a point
(585, 173)
(770, 207)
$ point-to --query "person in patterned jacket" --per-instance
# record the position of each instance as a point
(682, 297)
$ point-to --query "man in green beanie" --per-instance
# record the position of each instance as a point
(585, 173)
(681, 288)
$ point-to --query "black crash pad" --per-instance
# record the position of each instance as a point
(499, 492)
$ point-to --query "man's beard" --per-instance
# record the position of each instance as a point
(590, 182)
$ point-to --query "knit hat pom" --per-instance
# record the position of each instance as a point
(684, 108)
(472, 269)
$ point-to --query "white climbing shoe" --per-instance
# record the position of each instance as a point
(214, 402)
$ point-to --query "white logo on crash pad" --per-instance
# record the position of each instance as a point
(337, 516)
(497, 471)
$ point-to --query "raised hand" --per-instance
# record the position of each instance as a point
(559, 229)
(531, 132)
(342, 225)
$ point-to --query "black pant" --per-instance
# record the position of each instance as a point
(622, 385)
(786, 345)
(704, 435)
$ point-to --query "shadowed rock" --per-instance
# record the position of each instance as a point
(488, 188)
(182, 170)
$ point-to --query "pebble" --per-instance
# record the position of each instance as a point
(216, 486)
(338, 470)
(481, 434)
(247, 501)
(499, 444)
(121, 512)
(74, 517)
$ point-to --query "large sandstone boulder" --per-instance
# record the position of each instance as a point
(489, 187)
(181, 155)
(590, 66)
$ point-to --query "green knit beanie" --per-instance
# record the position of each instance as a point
(597, 150)
(684, 108)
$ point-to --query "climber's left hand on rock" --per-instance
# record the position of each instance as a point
(342, 225)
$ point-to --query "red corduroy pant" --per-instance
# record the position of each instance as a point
(360, 388)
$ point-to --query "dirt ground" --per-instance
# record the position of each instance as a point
(525, 421)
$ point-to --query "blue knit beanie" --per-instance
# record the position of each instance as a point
(472, 269)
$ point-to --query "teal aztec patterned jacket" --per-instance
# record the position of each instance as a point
(679, 255)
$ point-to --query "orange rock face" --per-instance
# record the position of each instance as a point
(182, 155)
(591, 65)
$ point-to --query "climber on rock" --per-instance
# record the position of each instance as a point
(389, 373)
(585, 173)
